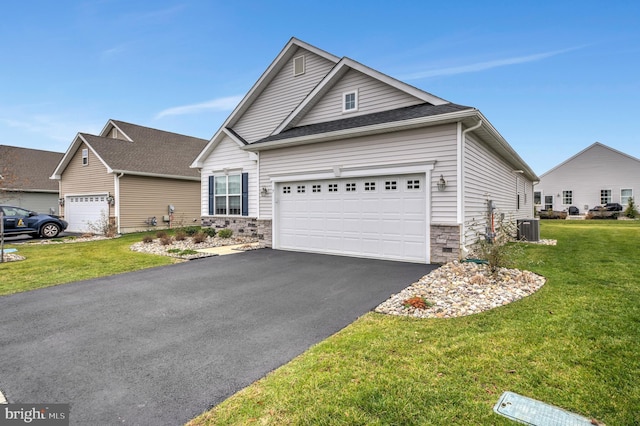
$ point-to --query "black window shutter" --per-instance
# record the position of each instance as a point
(245, 194)
(211, 195)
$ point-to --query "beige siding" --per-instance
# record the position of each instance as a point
(435, 143)
(373, 96)
(487, 177)
(589, 172)
(90, 179)
(227, 154)
(143, 197)
(281, 97)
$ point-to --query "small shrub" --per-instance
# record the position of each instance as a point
(174, 250)
(631, 211)
(417, 302)
(147, 239)
(180, 235)
(211, 232)
(200, 237)
(166, 240)
(161, 234)
(191, 230)
(225, 233)
(501, 250)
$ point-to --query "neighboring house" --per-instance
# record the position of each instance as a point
(127, 176)
(327, 155)
(593, 177)
(24, 180)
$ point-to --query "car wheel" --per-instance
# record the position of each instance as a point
(49, 230)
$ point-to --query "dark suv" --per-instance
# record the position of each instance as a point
(22, 221)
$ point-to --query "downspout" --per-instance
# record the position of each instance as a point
(117, 196)
(461, 219)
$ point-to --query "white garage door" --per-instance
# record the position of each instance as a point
(85, 213)
(381, 217)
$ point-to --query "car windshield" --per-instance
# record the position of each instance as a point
(15, 211)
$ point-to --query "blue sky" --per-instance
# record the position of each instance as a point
(552, 76)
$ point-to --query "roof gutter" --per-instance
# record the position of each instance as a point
(122, 172)
(363, 131)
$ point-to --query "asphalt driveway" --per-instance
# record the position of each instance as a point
(160, 346)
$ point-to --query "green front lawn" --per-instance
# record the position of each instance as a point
(574, 344)
(52, 264)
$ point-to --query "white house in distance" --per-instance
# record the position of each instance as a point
(327, 155)
(593, 177)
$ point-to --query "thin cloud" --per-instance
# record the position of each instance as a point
(482, 66)
(220, 104)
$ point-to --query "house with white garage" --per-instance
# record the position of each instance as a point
(24, 178)
(327, 155)
(133, 177)
(595, 176)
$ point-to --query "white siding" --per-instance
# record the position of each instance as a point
(487, 177)
(227, 154)
(281, 97)
(434, 143)
(586, 174)
(373, 96)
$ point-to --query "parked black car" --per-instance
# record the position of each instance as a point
(613, 207)
(22, 221)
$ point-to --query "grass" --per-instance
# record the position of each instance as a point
(52, 264)
(574, 344)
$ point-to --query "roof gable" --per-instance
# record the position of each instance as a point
(351, 74)
(596, 148)
(140, 150)
(28, 169)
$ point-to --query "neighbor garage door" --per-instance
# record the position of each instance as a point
(85, 213)
(381, 217)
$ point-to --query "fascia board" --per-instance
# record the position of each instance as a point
(504, 145)
(338, 71)
(365, 130)
(103, 133)
(411, 90)
(593, 145)
(57, 173)
(156, 175)
(198, 163)
(285, 54)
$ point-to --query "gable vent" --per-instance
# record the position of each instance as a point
(298, 65)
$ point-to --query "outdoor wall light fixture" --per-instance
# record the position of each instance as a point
(442, 184)
(111, 200)
(61, 201)
(264, 191)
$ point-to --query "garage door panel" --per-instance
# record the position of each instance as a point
(377, 222)
(85, 213)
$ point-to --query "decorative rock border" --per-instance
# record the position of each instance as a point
(458, 289)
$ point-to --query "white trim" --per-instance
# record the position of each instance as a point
(344, 101)
(304, 66)
(365, 130)
(352, 172)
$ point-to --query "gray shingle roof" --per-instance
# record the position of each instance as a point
(28, 169)
(394, 115)
(151, 151)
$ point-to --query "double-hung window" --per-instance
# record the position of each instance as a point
(229, 194)
(605, 196)
(567, 197)
(625, 194)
